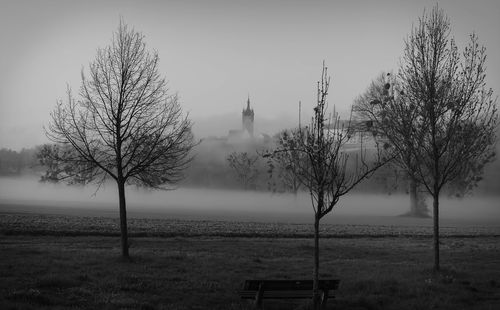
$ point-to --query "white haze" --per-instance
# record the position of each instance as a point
(29, 195)
(219, 125)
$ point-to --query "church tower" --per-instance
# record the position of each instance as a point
(247, 118)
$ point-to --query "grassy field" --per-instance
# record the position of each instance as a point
(69, 225)
(54, 269)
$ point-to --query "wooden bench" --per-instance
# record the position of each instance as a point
(286, 289)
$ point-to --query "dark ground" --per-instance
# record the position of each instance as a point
(61, 262)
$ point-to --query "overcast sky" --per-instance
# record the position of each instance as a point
(215, 53)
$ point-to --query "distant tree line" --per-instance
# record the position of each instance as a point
(13, 163)
(210, 169)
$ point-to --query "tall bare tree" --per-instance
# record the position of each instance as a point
(439, 111)
(327, 169)
(125, 125)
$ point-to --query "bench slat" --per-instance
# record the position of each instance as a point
(287, 294)
(277, 294)
(276, 285)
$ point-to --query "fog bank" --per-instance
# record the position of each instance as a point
(29, 195)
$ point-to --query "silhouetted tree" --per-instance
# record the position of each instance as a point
(284, 165)
(438, 110)
(244, 167)
(329, 170)
(366, 108)
(125, 125)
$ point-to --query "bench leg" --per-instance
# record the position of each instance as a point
(258, 297)
(324, 299)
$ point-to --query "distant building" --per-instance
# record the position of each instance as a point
(359, 133)
(247, 117)
(245, 138)
(247, 128)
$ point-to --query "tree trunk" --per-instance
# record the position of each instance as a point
(413, 197)
(123, 218)
(436, 230)
(422, 210)
(418, 207)
(316, 295)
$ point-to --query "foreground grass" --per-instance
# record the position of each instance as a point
(85, 272)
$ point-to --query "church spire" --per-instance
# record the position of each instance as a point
(247, 118)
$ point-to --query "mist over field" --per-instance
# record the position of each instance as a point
(29, 195)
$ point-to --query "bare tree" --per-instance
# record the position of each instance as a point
(125, 125)
(329, 170)
(366, 107)
(439, 111)
(244, 167)
(284, 165)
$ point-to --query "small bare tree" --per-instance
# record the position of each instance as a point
(329, 170)
(439, 111)
(125, 125)
(244, 167)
